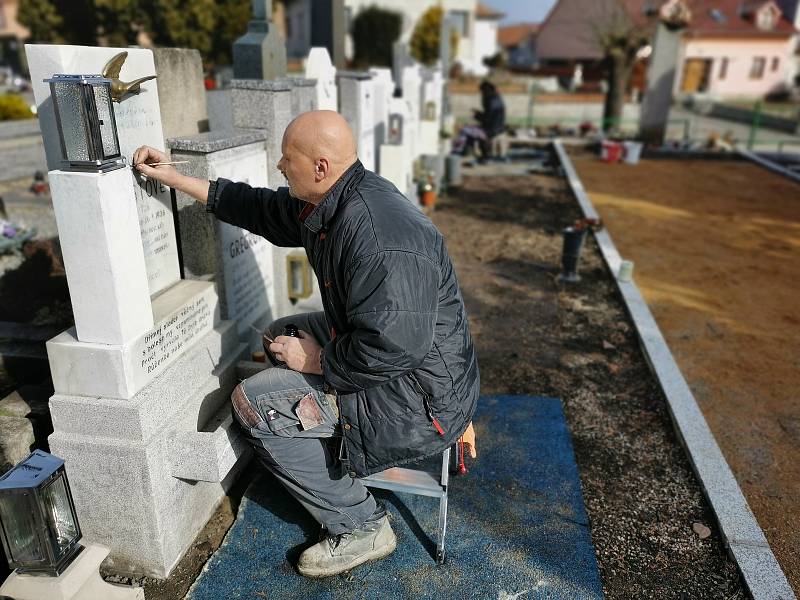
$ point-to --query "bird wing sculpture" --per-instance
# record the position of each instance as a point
(119, 88)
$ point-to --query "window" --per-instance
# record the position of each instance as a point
(776, 61)
(757, 68)
(723, 69)
(460, 20)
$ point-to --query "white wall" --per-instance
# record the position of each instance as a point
(484, 44)
(740, 53)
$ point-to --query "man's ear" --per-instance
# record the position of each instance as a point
(322, 169)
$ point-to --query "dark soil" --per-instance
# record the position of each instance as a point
(537, 336)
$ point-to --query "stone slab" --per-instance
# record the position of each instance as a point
(304, 95)
(103, 255)
(164, 400)
(396, 167)
(760, 570)
(356, 104)
(210, 454)
(138, 120)
(429, 138)
(182, 314)
(214, 141)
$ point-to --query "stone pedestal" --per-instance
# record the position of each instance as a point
(264, 105)
(660, 83)
(356, 104)
(103, 254)
(81, 581)
(304, 95)
(261, 52)
(319, 68)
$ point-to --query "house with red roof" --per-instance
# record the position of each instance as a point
(518, 43)
(731, 48)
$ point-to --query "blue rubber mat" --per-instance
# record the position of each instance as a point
(517, 527)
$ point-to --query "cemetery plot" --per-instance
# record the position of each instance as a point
(715, 247)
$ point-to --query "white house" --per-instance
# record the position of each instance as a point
(477, 26)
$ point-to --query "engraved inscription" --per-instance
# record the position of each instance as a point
(172, 335)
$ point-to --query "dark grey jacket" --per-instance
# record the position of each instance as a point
(402, 360)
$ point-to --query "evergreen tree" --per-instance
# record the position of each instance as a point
(374, 32)
(425, 37)
(41, 18)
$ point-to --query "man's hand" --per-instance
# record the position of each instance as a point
(468, 437)
(300, 354)
(167, 174)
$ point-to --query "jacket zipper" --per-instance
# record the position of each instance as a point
(428, 411)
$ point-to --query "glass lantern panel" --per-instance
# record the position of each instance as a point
(20, 528)
(296, 278)
(58, 515)
(105, 115)
(69, 104)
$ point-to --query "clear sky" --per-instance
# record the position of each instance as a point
(521, 10)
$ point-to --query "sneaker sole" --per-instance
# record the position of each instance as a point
(370, 556)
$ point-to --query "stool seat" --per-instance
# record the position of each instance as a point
(420, 483)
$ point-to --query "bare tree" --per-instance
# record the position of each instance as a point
(620, 35)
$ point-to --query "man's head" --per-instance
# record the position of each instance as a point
(317, 148)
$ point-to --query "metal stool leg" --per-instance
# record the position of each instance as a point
(440, 552)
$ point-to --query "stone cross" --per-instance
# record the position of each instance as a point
(261, 52)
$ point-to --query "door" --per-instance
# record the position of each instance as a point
(696, 73)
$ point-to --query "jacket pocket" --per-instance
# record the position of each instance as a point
(426, 401)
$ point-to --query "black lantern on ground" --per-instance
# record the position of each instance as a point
(38, 523)
(86, 124)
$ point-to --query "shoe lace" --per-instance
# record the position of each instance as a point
(335, 540)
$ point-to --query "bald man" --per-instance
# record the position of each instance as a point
(387, 374)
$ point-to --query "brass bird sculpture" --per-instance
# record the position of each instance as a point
(119, 89)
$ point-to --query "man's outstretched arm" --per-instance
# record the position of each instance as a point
(145, 156)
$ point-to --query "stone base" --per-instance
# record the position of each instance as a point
(181, 315)
(121, 456)
(81, 581)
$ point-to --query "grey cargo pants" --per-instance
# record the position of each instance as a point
(305, 461)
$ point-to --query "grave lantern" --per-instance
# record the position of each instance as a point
(395, 137)
(299, 277)
(38, 523)
(87, 128)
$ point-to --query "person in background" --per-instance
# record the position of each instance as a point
(489, 133)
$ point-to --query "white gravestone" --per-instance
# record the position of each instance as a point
(242, 262)
(356, 105)
(396, 161)
(384, 89)
(319, 67)
(124, 407)
(138, 123)
(411, 86)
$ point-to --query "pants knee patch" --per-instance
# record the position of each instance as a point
(243, 408)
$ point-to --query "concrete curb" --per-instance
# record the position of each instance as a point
(741, 533)
(768, 164)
